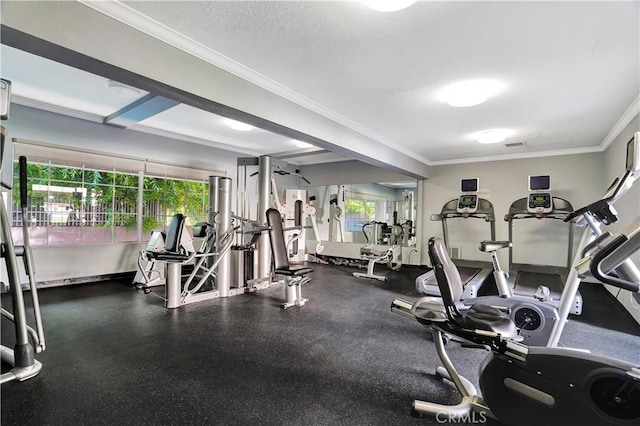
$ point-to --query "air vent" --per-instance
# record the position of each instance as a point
(514, 144)
(454, 252)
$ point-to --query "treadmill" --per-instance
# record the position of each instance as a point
(543, 282)
(473, 273)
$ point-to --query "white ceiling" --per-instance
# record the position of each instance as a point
(48, 85)
(569, 70)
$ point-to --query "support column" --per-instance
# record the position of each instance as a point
(140, 205)
(264, 198)
(223, 274)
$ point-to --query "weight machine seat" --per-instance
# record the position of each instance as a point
(478, 316)
(489, 246)
(279, 248)
(373, 252)
(172, 252)
(295, 271)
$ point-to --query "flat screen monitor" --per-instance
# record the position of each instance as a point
(469, 185)
(633, 154)
(539, 183)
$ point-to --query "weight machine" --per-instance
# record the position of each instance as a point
(379, 253)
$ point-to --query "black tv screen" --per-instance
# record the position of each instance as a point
(469, 185)
(539, 183)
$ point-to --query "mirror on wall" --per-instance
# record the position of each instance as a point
(376, 213)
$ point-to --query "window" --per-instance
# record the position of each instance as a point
(357, 213)
(78, 205)
(164, 197)
(74, 205)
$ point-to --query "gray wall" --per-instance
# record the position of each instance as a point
(577, 178)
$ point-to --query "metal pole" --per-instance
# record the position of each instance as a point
(140, 218)
(23, 351)
(214, 201)
(223, 275)
(264, 197)
(214, 207)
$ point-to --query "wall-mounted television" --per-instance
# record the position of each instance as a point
(469, 185)
(539, 183)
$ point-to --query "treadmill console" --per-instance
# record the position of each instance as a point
(540, 203)
(467, 203)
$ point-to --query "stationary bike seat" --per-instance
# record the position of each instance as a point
(488, 246)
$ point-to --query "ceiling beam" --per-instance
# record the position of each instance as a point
(96, 43)
(143, 108)
(304, 152)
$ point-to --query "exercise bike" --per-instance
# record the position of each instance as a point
(540, 322)
(530, 385)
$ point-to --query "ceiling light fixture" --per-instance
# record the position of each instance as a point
(124, 90)
(388, 5)
(470, 93)
(301, 144)
(239, 126)
(492, 136)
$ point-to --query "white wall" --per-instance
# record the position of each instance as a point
(628, 207)
(577, 178)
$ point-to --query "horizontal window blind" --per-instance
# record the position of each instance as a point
(64, 156)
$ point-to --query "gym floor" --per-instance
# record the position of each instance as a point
(116, 356)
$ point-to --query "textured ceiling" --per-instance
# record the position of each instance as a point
(570, 69)
(569, 73)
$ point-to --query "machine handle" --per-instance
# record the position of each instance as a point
(595, 243)
(601, 210)
(601, 255)
(574, 214)
(22, 167)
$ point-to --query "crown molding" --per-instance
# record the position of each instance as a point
(519, 156)
(628, 116)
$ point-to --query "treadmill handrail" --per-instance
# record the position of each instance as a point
(449, 211)
(518, 210)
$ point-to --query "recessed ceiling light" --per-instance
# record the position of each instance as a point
(301, 144)
(239, 126)
(124, 90)
(470, 92)
(492, 136)
(388, 5)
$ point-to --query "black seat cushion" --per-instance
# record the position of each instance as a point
(167, 256)
(488, 246)
(295, 271)
(488, 318)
